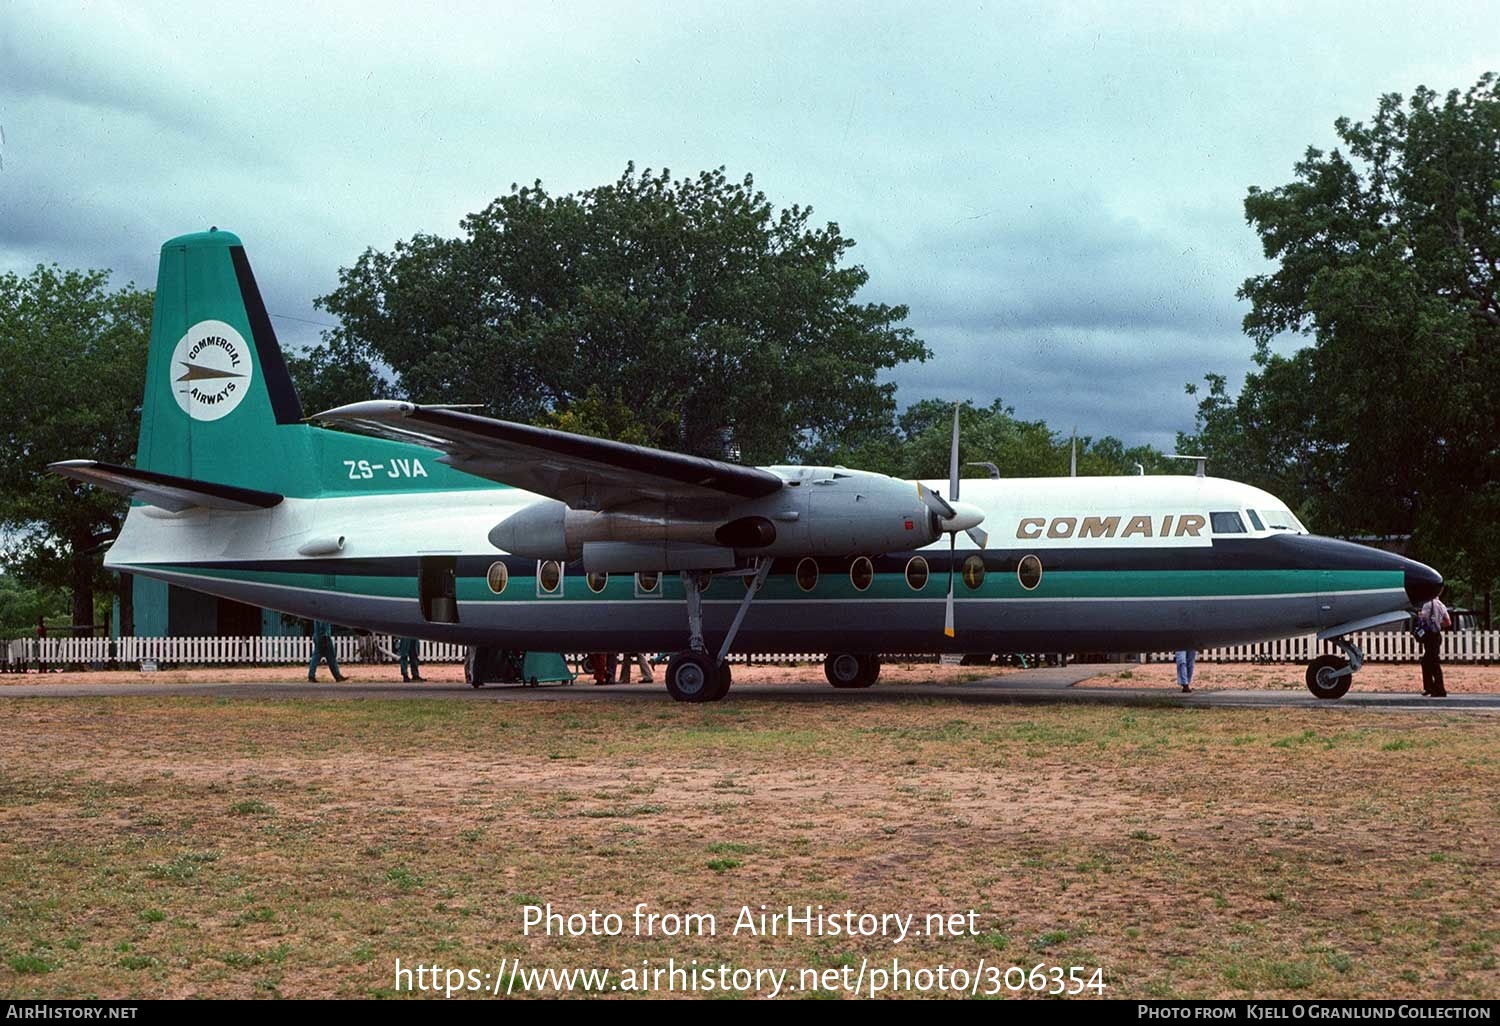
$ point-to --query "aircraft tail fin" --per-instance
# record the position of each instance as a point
(217, 387)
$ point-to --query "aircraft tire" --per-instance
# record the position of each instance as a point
(721, 684)
(692, 677)
(1323, 686)
(849, 670)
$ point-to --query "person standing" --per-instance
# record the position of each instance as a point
(406, 651)
(1432, 620)
(322, 648)
(632, 659)
(1187, 659)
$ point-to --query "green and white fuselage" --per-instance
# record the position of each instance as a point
(1097, 594)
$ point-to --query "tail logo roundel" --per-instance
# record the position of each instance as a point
(211, 370)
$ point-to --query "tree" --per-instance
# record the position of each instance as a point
(22, 607)
(73, 360)
(918, 442)
(691, 304)
(1388, 258)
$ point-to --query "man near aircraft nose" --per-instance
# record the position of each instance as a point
(1432, 620)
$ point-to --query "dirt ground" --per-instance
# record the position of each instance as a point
(811, 673)
(1460, 678)
(231, 847)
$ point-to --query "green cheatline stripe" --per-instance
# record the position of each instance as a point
(1118, 584)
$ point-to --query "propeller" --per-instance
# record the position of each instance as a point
(953, 516)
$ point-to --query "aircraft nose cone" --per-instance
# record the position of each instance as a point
(1422, 582)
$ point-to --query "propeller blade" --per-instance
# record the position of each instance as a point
(935, 502)
(953, 459)
(980, 537)
(948, 611)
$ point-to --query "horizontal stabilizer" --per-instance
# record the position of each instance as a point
(167, 491)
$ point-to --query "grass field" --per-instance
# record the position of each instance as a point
(181, 846)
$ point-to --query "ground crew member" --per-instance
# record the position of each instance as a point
(322, 648)
(406, 651)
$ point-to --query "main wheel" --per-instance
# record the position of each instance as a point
(848, 670)
(1321, 680)
(721, 683)
(693, 677)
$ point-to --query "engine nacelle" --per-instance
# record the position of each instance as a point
(821, 512)
(538, 531)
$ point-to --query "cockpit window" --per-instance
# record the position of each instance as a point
(1255, 520)
(1282, 520)
(1227, 523)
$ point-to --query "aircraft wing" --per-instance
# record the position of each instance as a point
(586, 473)
(166, 491)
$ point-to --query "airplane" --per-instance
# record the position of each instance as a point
(436, 522)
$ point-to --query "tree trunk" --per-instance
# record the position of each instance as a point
(127, 605)
(82, 573)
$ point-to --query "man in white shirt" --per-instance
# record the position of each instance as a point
(1432, 620)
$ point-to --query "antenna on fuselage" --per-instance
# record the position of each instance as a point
(1073, 461)
(1201, 460)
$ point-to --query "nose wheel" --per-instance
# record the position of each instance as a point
(1329, 676)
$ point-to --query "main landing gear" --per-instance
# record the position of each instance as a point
(694, 675)
(1329, 676)
(849, 670)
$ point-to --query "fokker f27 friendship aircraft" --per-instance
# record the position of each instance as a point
(434, 522)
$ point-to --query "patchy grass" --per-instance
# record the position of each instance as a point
(183, 846)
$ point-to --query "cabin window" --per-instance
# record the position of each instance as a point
(1227, 523)
(973, 572)
(497, 577)
(549, 577)
(648, 583)
(597, 582)
(861, 573)
(807, 574)
(1029, 572)
(916, 573)
(1255, 520)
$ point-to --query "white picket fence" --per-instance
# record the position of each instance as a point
(252, 651)
(1378, 646)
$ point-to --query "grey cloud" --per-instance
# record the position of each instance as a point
(1054, 190)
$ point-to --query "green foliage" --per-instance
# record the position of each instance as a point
(73, 359)
(1388, 258)
(917, 445)
(22, 605)
(693, 304)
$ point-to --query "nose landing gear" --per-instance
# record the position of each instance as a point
(1329, 676)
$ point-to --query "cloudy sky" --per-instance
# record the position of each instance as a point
(1054, 189)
